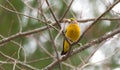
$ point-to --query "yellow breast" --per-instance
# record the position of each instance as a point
(73, 32)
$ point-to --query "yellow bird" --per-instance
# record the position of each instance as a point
(72, 33)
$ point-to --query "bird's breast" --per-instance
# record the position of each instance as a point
(73, 32)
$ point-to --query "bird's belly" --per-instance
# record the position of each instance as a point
(73, 34)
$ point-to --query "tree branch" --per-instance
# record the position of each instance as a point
(17, 61)
(66, 10)
(53, 13)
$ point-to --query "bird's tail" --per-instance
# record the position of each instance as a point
(63, 53)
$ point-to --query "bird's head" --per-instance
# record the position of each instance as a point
(72, 20)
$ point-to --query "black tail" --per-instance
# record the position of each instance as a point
(63, 53)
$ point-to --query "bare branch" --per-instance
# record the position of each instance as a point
(20, 13)
(103, 18)
(87, 58)
(66, 10)
(53, 13)
(55, 48)
(108, 57)
(18, 16)
(17, 61)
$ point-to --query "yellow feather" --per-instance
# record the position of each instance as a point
(73, 33)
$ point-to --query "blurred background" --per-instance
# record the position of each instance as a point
(36, 49)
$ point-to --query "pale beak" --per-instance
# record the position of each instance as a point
(67, 20)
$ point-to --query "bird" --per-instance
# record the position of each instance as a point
(72, 34)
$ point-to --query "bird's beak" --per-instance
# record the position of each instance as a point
(67, 20)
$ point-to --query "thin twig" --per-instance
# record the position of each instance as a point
(66, 10)
(5, 40)
(44, 49)
(40, 11)
(18, 16)
(115, 52)
(9, 59)
(87, 58)
(6, 62)
(103, 18)
(54, 46)
(69, 65)
(14, 65)
(20, 47)
(36, 60)
(20, 13)
(51, 35)
(53, 13)
(27, 5)
(45, 19)
(17, 61)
